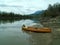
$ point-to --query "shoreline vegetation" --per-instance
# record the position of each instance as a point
(51, 16)
(13, 16)
(6, 17)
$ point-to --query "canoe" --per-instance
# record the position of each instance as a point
(41, 30)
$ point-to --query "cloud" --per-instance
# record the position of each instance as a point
(25, 6)
(4, 5)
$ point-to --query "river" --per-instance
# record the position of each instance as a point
(11, 33)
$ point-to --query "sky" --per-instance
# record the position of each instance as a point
(25, 6)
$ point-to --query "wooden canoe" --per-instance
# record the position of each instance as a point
(41, 30)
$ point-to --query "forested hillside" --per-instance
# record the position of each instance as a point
(11, 16)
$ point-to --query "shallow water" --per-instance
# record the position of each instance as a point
(12, 34)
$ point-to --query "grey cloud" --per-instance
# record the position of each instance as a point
(4, 5)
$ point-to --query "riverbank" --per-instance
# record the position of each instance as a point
(54, 24)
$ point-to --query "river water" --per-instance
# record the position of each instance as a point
(11, 33)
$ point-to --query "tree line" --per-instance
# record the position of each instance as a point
(52, 11)
(13, 16)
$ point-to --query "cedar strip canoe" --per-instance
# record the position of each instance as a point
(41, 30)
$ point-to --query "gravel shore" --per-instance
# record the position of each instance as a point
(54, 24)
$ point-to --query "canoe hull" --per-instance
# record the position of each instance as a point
(41, 30)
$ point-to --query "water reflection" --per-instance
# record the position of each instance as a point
(11, 33)
(39, 38)
(7, 21)
(13, 20)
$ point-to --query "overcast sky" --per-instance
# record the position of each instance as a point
(25, 6)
